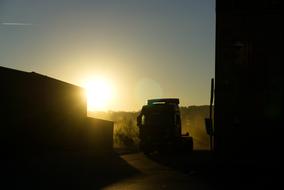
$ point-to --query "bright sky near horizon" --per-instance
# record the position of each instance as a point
(133, 50)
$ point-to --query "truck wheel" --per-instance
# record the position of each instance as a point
(187, 144)
(145, 148)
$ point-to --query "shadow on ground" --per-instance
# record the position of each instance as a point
(195, 163)
(203, 165)
(64, 170)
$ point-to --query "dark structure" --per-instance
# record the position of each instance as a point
(39, 113)
(249, 90)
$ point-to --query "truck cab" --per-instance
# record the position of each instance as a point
(159, 125)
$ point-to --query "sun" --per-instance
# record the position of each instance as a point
(99, 93)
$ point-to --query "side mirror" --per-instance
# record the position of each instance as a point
(208, 126)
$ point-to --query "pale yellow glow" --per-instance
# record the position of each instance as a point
(100, 93)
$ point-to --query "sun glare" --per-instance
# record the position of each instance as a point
(99, 94)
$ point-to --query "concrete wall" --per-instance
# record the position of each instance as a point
(99, 134)
(41, 113)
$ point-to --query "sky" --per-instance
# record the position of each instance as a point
(142, 48)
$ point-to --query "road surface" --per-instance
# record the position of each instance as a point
(79, 170)
(153, 175)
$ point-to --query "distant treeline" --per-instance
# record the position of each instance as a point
(126, 131)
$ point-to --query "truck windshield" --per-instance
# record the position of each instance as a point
(160, 119)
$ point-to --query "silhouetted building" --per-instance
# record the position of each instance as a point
(41, 113)
(249, 79)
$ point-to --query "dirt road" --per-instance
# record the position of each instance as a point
(156, 176)
(116, 170)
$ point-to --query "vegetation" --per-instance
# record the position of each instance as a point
(126, 131)
(193, 122)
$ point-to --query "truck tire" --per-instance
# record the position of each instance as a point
(187, 144)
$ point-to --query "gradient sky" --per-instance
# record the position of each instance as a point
(146, 48)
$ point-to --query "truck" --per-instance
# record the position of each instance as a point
(160, 129)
